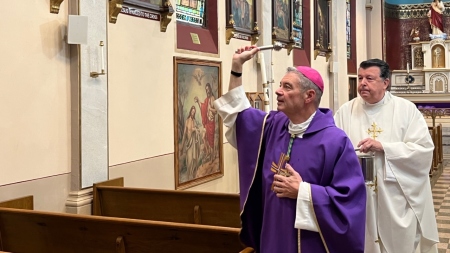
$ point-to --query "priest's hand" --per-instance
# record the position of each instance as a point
(287, 187)
(369, 144)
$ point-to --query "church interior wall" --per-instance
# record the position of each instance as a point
(140, 99)
(35, 101)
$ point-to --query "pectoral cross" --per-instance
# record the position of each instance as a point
(374, 130)
(279, 168)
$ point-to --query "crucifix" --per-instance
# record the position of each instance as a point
(279, 168)
(374, 130)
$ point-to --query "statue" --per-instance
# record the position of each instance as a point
(415, 34)
(435, 18)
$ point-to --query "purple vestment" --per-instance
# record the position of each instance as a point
(326, 159)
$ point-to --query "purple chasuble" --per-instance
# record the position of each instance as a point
(326, 159)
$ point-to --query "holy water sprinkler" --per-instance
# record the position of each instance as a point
(277, 46)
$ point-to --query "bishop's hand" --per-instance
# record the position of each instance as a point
(287, 187)
(243, 54)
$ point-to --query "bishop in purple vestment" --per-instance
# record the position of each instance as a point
(322, 169)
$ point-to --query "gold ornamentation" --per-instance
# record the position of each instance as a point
(229, 33)
(114, 9)
(54, 6)
(166, 16)
(374, 131)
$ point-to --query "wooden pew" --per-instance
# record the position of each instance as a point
(39, 232)
(216, 209)
(19, 203)
(439, 143)
(435, 162)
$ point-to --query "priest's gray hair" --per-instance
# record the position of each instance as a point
(306, 84)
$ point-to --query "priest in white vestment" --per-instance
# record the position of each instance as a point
(400, 214)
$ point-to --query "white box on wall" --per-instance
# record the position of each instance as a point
(77, 29)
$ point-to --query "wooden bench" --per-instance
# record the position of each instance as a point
(437, 162)
(19, 203)
(216, 209)
(39, 232)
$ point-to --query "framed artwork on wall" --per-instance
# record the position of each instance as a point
(322, 45)
(197, 127)
(282, 29)
(241, 20)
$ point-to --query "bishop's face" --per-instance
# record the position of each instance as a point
(371, 87)
(290, 98)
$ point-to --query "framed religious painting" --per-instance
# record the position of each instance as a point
(241, 20)
(282, 21)
(322, 45)
(197, 127)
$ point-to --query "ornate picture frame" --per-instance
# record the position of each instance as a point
(241, 20)
(322, 45)
(282, 21)
(282, 29)
(197, 127)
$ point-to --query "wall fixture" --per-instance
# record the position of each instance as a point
(114, 9)
(95, 74)
(54, 6)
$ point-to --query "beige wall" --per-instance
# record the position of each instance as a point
(34, 100)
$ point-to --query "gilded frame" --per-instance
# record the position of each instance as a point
(282, 21)
(322, 45)
(241, 22)
(197, 127)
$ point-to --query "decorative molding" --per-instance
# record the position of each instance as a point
(80, 202)
(166, 15)
(407, 11)
(114, 9)
(438, 77)
(54, 6)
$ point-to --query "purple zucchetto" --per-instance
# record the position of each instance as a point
(312, 75)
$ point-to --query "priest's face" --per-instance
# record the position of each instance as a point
(371, 87)
(290, 98)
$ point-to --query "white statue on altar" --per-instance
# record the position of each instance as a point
(436, 20)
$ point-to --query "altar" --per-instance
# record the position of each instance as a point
(429, 73)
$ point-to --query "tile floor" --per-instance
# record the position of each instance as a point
(441, 198)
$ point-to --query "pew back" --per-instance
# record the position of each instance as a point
(216, 209)
(39, 232)
(19, 203)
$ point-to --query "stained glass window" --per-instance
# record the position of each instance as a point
(191, 11)
(297, 29)
(348, 26)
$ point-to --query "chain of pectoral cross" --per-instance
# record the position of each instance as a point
(374, 130)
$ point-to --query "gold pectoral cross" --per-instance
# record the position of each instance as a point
(279, 168)
(374, 130)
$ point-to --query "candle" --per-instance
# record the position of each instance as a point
(262, 64)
